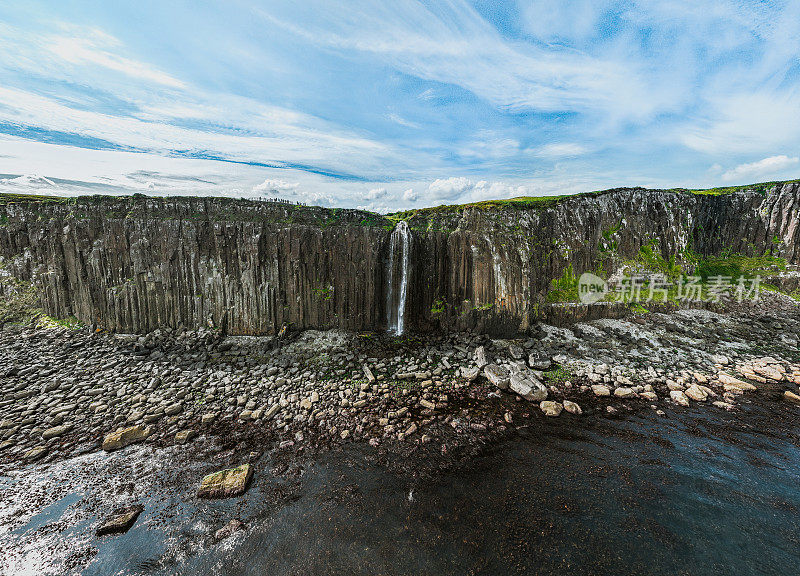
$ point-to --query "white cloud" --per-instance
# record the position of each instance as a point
(561, 150)
(450, 188)
(269, 137)
(754, 121)
(268, 187)
(93, 49)
(558, 20)
(569, 99)
(450, 42)
(460, 189)
(768, 167)
(397, 119)
(410, 196)
(376, 193)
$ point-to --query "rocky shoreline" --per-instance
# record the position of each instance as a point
(68, 392)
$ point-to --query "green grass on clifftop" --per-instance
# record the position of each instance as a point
(14, 198)
(761, 188)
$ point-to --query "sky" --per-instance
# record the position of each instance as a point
(396, 105)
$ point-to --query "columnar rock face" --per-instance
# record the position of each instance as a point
(135, 263)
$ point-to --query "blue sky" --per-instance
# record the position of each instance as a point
(395, 105)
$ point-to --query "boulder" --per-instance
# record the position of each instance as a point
(720, 359)
(791, 397)
(184, 436)
(480, 356)
(696, 393)
(539, 361)
(497, 375)
(35, 453)
(773, 372)
(471, 374)
(226, 483)
(572, 407)
(601, 390)
(734, 385)
(271, 411)
(527, 386)
(679, 397)
(125, 437)
(173, 409)
(551, 408)
(120, 520)
(623, 392)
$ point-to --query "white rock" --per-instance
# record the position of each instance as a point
(734, 385)
(480, 356)
(696, 393)
(528, 387)
(497, 375)
(679, 397)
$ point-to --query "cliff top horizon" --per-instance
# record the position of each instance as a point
(519, 202)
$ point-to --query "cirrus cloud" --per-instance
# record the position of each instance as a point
(774, 166)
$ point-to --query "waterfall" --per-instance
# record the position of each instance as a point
(396, 302)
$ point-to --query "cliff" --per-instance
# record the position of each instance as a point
(131, 264)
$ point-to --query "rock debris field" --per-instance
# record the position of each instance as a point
(69, 392)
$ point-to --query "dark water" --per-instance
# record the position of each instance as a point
(697, 492)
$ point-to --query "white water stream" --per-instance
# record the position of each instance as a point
(396, 304)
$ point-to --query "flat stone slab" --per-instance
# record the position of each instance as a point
(791, 397)
(35, 453)
(125, 437)
(735, 385)
(120, 520)
(528, 387)
(56, 431)
(226, 483)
